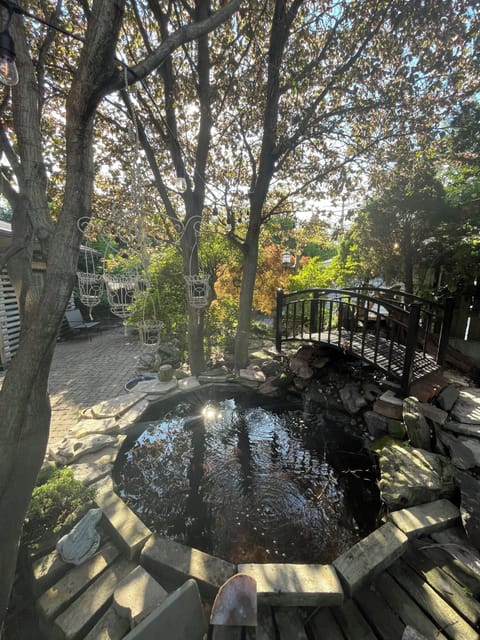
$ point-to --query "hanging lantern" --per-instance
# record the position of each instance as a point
(197, 291)
(121, 290)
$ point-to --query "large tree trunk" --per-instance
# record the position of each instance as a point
(249, 272)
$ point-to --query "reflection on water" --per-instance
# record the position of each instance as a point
(250, 484)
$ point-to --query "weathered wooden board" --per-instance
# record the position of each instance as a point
(408, 610)
(352, 622)
(323, 625)
(265, 629)
(290, 623)
(381, 617)
(445, 586)
(428, 599)
(456, 543)
(450, 565)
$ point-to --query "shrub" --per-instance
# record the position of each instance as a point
(58, 502)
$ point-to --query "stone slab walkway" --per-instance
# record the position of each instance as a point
(85, 371)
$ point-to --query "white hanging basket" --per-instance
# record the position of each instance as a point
(121, 290)
(149, 333)
(90, 286)
(197, 291)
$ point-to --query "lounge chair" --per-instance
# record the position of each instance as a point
(77, 325)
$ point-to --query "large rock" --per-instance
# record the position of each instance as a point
(418, 429)
(389, 405)
(447, 397)
(467, 407)
(68, 450)
(464, 452)
(413, 476)
(352, 399)
(82, 541)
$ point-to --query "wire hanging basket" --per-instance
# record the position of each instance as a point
(121, 290)
(149, 326)
(197, 291)
(90, 286)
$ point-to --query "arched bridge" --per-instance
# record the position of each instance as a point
(403, 335)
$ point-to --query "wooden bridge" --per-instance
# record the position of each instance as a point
(403, 335)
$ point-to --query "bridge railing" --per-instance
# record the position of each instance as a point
(383, 326)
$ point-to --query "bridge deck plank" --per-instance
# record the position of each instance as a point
(374, 352)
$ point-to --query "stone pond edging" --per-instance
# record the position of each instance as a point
(94, 442)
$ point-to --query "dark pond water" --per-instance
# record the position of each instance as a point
(251, 484)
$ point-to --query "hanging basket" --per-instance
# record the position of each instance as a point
(149, 333)
(121, 290)
(90, 286)
(197, 291)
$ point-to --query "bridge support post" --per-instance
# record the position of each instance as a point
(278, 320)
(410, 345)
(445, 330)
(314, 313)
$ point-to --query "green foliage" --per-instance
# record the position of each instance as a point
(315, 273)
(58, 502)
(165, 300)
(221, 324)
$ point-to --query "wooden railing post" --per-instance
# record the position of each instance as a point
(410, 345)
(445, 331)
(278, 320)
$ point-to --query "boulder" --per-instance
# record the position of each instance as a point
(389, 405)
(68, 450)
(352, 399)
(467, 408)
(412, 476)
(447, 397)
(418, 429)
(300, 368)
(464, 452)
(82, 541)
(377, 425)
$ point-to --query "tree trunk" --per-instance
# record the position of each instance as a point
(249, 272)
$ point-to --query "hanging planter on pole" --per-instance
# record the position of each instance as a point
(197, 291)
(90, 286)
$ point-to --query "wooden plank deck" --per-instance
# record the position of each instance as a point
(428, 589)
(382, 353)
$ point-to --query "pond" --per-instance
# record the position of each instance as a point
(252, 482)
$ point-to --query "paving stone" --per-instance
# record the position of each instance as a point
(137, 595)
(472, 430)
(295, 585)
(447, 397)
(179, 617)
(366, 559)
(125, 526)
(59, 596)
(426, 518)
(48, 570)
(88, 426)
(84, 612)
(115, 407)
(389, 405)
(172, 563)
(88, 473)
(110, 627)
(467, 407)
